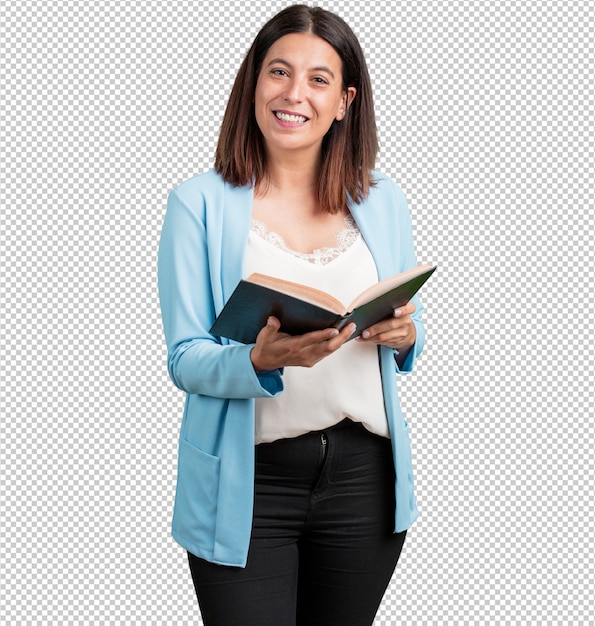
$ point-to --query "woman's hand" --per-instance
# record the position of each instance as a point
(274, 349)
(396, 332)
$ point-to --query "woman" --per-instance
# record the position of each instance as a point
(295, 487)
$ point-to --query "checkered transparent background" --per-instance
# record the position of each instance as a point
(486, 115)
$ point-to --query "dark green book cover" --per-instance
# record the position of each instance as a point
(249, 306)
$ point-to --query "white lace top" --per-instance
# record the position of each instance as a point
(320, 256)
(345, 384)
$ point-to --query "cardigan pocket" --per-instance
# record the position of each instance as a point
(195, 509)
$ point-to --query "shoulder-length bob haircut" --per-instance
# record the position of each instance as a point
(350, 146)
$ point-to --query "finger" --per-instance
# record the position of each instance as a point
(261, 355)
(336, 342)
(270, 329)
(401, 319)
(393, 330)
(407, 309)
(313, 353)
(273, 323)
(317, 336)
(370, 333)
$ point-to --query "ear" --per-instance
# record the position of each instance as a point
(346, 101)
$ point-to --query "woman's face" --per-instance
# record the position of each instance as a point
(299, 94)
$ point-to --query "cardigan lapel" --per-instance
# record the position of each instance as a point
(375, 236)
(236, 211)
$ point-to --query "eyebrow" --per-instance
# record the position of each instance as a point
(318, 68)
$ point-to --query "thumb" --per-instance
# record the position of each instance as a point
(270, 329)
(273, 324)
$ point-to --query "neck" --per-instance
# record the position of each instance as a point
(289, 172)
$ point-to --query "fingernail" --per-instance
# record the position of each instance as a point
(353, 328)
(366, 334)
(397, 312)
(334, 333)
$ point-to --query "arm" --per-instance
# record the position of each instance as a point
(197, 362)
(405, 331)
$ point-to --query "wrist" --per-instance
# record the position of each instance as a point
(258, 363)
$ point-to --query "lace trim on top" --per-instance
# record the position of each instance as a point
(321, 256)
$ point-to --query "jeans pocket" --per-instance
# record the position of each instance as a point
(373, 444)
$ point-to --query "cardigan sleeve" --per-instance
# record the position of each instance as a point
(406, 261)
(198, 362)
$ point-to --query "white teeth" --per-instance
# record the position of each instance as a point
(290, 119)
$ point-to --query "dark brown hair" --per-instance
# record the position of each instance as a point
(348, 149)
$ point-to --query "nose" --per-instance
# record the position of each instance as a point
(294, 91)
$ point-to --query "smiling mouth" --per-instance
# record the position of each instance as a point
(289, 118)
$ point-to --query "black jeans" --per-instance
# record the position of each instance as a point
(322, 550)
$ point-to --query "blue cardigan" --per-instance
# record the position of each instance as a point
(201, 260)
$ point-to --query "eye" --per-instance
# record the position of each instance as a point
(320, 81)
(279, 72)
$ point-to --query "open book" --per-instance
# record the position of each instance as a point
(302, 309)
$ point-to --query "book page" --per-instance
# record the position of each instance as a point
(303, 292)
(386, 285)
